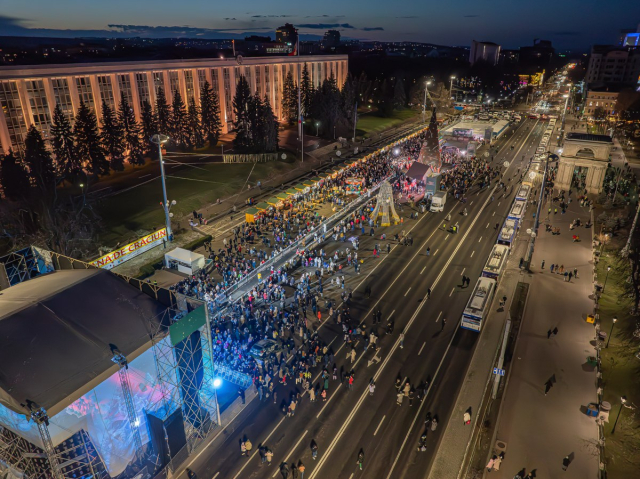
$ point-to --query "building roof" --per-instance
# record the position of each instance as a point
(589, 137)
(56, 331)
(418, 170)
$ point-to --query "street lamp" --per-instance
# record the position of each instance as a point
(605, 278)
(160, 140)
(623, 400)
(424, 104)
(451, 85)
(216, 384)
(317, 124)
(613, 323)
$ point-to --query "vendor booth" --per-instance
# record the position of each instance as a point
(184, 261)
(354, 186)
(251, 215)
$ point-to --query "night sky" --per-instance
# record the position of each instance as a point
(511, 23)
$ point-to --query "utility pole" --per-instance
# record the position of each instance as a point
(300, 126)
(355, 120)
(161, 140)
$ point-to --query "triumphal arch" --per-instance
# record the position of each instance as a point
(583, 162)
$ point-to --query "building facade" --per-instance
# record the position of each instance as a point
(601, 98)
(29, 94)
(609, 64)
(486, 51)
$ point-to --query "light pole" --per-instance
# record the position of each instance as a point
(424, 104)
(317, 124)
(613, 323)
(623, 400)
(606, 278)
(216, 384)
(160, 140)
(451, 86)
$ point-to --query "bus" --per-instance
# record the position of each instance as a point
(523, 192)
(496, 262)
(517, 210)
(478, 306)
(508, 232)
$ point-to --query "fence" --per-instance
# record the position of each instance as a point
(236, 377)
(250, 158)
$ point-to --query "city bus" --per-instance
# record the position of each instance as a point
(508, 232)
(523, 192)
(496, 262)
(517, 210)
(478, 306)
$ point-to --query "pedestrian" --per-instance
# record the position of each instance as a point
(248, 446)
(491, 463)
(372, 387)
(466, 417)
(301, 469)
(547, 386)
(428, 251)
(549, 334)
(360, 458)
(312, 394)
(399, 397)
(428, 293)
(243, 449)
(542, 265)
(241, 394)
(551, 267)
(269, 456)
(555, 331)
(314, 449)
(444, 322)
(284, 470)
(565, 462)
(401, 340)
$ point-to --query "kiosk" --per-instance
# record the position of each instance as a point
(184, 261)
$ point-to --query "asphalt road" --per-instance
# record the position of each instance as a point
(353, 420)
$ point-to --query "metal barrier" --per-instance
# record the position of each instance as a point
(236, 377)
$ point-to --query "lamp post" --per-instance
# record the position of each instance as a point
(216, 384)
(605, 278)
(424, 104)
(317, 125)
(613, 323)
(623, 400)
(160, 140)
(451, 86)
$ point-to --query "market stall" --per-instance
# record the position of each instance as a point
(251, 214)
(184, 261)
(354, 186)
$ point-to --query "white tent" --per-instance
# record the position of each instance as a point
(185, 261)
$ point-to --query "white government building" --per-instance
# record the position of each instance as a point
(28, 94)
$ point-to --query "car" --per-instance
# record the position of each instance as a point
(263, 348)
(533, 116)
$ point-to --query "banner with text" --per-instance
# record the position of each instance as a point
(131, 250)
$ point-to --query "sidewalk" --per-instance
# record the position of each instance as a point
(538, 431)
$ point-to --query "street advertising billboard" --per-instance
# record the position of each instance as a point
(139, 246)
(463, 132)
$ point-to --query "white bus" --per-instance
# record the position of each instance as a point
(508, 232)
(496, 262)
(523, 192)
(517, 209)
(478, 305)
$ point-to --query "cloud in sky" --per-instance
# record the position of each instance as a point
(270, 16)
(324, 26)
(229, 18)
(372, 29)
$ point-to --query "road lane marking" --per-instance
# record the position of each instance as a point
(405, 294)
(356, 408)
(256, 452)
(391, 315)
(144, 176)
(286, 459)
(452, 291)
(436, 252)
(471, 203)
(438, 318)
(494, 213)
(480, 239)
(463, 269)
(423, 345)
(472, 253)
(498, 203)
(486, 226)
(423, 270)
(217, 474)
(381, 421)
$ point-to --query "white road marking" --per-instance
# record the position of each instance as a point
(144, 176)
(381, 421)
(463, 269)
(471, 203)
(423, 345)
(498, 203)
(391, 315)
(486, 226)
(446, 237)
(423, 270)
(472, 253)
(452, 292)
(480, 239)
(286, 459)
(405, 294)
(436, 252)
(217, 474)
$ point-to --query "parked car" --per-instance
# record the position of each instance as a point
(263, 348)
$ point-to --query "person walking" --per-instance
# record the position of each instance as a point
(428, 251)
(301, 469)
(565, 463)
(285, 470)
(401, 340)
(372, 387)
(360, 461)
(444, 323)
(542, 265)
(269, 455)
(314, 449)
(428, 293)
(399, 397)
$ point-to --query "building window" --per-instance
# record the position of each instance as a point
(39, 106)
(267, 82)
(142, 85)
(214, 80)
(124, 83)
(106, 91)
(158, 82)
(227, 96)
(174, 81)
(85, 92)
(202, 77)
(12, 109)
(277, 81)
(258, 82)
(62, 96)
(188, 81)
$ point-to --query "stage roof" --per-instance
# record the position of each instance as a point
(55, 332)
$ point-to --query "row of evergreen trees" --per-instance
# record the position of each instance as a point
(255, 124)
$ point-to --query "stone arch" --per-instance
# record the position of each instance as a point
(585, 153)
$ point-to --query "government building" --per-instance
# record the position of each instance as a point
(29, 94)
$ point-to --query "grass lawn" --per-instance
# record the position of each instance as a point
(620, 367)
(369, 123)
(128, 214)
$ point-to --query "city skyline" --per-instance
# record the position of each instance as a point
(513, 25)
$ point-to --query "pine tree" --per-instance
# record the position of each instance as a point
(289, 99)
(196, 138)
(14, 178)
(112, 137)
(88, 146)
(131, 132)
(39, 162)
(149, 128)
(306, 92)
(349, 98)
(179, 126)
(271, 127)
(399, 95)
(163, 112)
(210, 114)
(241, 104)
(257, 123)
(63, 145)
